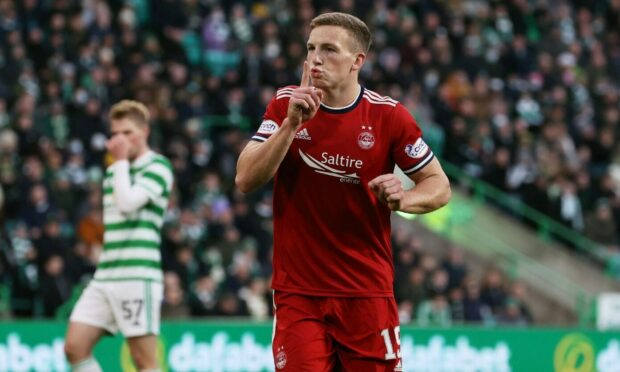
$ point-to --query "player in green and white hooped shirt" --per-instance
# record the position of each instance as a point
(126, 291)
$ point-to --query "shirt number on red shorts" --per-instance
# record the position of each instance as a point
(389, 355)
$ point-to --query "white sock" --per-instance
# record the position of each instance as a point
(87, 365)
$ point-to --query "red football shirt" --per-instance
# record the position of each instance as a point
(331, 234)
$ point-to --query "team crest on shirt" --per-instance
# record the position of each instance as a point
(280, 358)
(417, 150)
(366, 139)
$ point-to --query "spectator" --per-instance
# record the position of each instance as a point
(497, 173)
(55, 285)
(454, 264)
(600, 225)
(185, 266)
(518, 295)
(203, 296)
(90, 228)
(512, 315)
(406, 312)
(174, 305)
(493, 292)
(415, 290)
(38, 210)
(438, 283)
(434, 311)
(82, 262)
(255, 298)
(457, 308)
(475, 310)
(229, 304)
(404, 262)
(51, 243)
(567, 205)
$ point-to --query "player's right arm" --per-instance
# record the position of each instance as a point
(127, 198)
(259, 161)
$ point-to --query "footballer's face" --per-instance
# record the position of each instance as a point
(135, 134)
(333, 57)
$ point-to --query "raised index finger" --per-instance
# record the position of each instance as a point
(305, 76)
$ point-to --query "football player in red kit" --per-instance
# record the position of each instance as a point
(331, 146)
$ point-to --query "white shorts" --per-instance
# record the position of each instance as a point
(131, 307)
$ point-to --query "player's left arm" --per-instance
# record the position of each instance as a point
(416, 159)
(432, 190)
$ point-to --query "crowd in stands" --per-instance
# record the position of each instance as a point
(440, 289)
(523, 94)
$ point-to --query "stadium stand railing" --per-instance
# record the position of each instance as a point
(466, 224)
(547, 228)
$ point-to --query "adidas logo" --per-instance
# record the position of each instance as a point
(303, 134)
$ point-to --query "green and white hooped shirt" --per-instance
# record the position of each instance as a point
(131, 249)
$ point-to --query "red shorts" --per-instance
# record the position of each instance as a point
(335, 334)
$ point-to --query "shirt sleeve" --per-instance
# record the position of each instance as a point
(274, 115)
(154, 182)
(409, 150)
(128, 199)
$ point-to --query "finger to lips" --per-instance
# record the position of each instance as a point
(305, 76)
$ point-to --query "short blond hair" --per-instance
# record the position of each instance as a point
(355, 26)
(132, 110)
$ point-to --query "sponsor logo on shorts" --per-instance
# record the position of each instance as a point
(281, 358)
(417, 150)
(268, 127)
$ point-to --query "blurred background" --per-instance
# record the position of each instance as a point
(520, 99)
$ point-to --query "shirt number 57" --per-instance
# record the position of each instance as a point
(132, 310)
